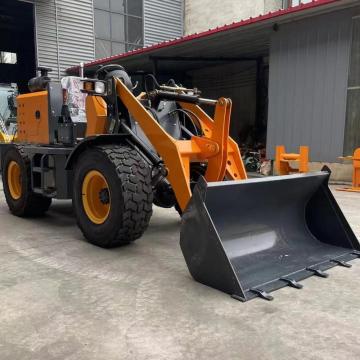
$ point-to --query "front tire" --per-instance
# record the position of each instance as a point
(16, 177)
(112, 195)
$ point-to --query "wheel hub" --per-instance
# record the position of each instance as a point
(104, 196)
(14, 180)
(96, 197)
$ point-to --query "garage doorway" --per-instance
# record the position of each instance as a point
(17, 43)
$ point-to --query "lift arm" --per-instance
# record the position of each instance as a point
(216, 146)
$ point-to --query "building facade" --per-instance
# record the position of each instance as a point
(314, 93)
(293, 74)
(313, 76)
(125, 25)
(66, 32)
(201, 15)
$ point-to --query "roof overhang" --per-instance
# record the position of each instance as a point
(243, 40)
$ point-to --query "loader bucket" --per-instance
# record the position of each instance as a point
(248, 238)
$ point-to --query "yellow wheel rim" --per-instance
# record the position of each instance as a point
(96, 197)
(14, 179)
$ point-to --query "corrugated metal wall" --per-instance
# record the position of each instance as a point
(64, 33)
(46, 35)
(352, 128)
(163, 20)
(76, 32)
(309, 64)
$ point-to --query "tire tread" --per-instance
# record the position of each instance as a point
(135, 180)
(35, 204)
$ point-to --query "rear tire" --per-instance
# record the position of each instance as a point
(16, 177)
(112, 195)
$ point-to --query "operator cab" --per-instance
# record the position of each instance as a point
(66, 113)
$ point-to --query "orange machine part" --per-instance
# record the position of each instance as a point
(356, 172)
(33, 118)
(96, 115)
(283, 159)
(235, 169)
(178, 154)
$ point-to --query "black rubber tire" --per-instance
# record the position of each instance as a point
(30, 203)
(129, 181)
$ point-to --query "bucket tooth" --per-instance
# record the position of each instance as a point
(292, 283)
(251, 237)
(318, 272)
(341, 263)
(237, 297)
(262, 294)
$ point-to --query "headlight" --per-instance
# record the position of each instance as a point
(94, 87)
(99, 87)
(88, 86)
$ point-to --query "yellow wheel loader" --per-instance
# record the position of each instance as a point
(246, 237)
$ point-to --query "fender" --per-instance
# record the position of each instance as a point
(93, 141)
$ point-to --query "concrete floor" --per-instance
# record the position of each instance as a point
(62, 298)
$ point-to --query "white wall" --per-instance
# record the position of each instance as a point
(201, 15)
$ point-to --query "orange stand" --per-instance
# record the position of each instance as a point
(282, 160)
(356, 173)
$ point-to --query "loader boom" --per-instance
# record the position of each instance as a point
(216, 146)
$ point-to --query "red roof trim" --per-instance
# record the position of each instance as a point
(234, 25)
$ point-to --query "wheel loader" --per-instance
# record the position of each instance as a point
(245, 237)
